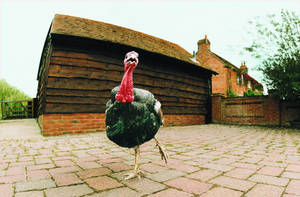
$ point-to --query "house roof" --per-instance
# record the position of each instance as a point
(237, 69)
(81, 27)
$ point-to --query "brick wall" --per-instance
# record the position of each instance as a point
(59, 124)
(227, 73)
(263, 110)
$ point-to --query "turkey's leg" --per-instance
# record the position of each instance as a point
(136, 172)
(162, 151)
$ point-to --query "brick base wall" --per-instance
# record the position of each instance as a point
(59, 124)
(263, 110)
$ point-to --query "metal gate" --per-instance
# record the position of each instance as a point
(17, 109)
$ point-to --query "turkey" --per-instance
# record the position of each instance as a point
(133, 115)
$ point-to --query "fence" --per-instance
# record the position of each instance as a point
(17, 109)
(262, 110)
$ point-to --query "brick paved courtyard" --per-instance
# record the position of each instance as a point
(207, 160)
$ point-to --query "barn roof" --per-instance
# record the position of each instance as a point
(81, 27)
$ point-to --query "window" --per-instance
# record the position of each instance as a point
(249, 84)
(238, 79)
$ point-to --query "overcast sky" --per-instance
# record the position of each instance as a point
(24, 25)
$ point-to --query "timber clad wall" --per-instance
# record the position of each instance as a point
(263, 110)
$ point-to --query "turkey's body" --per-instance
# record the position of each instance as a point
(132, 124)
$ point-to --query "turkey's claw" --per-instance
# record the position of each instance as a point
(163, 153)
(132, 175)
(162, 150)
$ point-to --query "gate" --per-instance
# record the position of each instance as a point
(17, 109)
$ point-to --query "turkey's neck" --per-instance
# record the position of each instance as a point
(125, 93)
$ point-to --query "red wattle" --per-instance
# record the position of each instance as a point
(125, 93)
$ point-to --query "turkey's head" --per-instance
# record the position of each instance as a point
(131, 60)
(125, 92)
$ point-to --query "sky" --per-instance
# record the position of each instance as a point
(24, 25)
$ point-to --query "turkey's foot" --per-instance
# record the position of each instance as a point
(163, 151)
(134, 174)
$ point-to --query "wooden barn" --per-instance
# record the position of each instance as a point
(82, 60)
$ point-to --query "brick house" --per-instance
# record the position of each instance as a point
(230, 77)
(82, 60)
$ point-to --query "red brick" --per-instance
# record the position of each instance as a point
(262, 190)
(222, 192)
(102, 183)
(66, 179)
(189, 185)
(93, 172)
(241, 173)
(204, 175)
(171, 193)
(293, 187)
(233, 183)
(270, 170)
(117, 167)
(38, 174)
(7, 190)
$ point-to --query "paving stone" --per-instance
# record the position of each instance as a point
(219, 167)
(293, 168)
(144, 185)
(247, 165)
(89, 165)
(171, 193)
(38, 174)
(152, 168)
(269, 180)
(69, 191)
(293, 187)
(64, 163)
(261, 190)
(117, 167)
(103, 183)
(93, 172)
(15, 170)
(7, 190)
(62, 170)
(189, 185)
(204, 175)
(30, 194)
(41, 166)
(34, 185)
(241, 173)
(232, 183)
(66, 179)
(12, 179)
(222, 192)
(43, 160)
(165, 175)
(291, 175)
(270, 170)
(118, 192)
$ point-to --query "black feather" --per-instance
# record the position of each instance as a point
(132, 124)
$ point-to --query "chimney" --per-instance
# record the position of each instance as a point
(243, 68)
(203, 49)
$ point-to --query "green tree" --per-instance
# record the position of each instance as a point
(276, 44)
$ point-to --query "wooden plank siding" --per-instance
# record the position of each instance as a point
(81, 82)
(79, 73)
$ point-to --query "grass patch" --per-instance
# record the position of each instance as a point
(10, 93)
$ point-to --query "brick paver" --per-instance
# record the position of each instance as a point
(205, 161)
